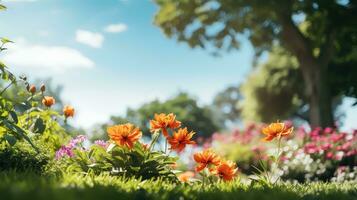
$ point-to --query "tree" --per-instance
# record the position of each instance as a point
(274, 91)
(226, 104)
(197, 118)
(330, 32)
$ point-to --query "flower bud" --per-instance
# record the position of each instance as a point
(48, 101)
(43, 88)
(32, 89)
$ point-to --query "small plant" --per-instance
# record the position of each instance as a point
(274, 130)
(124, 155)
(26, 119)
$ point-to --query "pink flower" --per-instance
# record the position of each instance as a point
(351, 152)
(64, 151)
(101, 143)
(311, 148)
(77, 140)
(329, 155)
(326, 146)
(346, 146)
(328, 130)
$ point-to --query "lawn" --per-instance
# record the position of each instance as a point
(22, 186)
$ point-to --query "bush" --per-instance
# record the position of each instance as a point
(320, 155)
(242, 146)
(22, 158)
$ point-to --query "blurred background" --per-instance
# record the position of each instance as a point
(216, 64)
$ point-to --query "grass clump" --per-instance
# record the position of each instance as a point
(18, 186)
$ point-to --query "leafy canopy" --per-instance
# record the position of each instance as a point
(193, 116)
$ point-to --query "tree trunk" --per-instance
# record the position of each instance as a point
(318, 93)
(314, 71)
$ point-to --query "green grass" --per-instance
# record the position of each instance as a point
(29, 186)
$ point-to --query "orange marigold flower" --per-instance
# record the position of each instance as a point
(276, 130)
(68, 111)
(48, 101)
(186, 176)
(180, 139)
(163, 122)
(226, 170)
(206, 158)
(124, 134)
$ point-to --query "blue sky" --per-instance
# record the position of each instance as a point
(108, 55)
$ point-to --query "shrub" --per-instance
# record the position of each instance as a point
(22, 158)
(242, 146)
(318, 155)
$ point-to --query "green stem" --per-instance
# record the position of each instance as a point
(7, 87)
(165, 145)
(153, 142)
(279, 148)
(278, 157)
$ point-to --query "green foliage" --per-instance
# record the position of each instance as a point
(29, 132)
(138, 162)
(275, 90)
(192, 116)
(23, 158)
(227, 102)
(318, 33)
(2, 7)
(18, 186)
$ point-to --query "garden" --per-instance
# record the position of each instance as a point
(270, 138)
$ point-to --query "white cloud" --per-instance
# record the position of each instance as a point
(116, 28)
(91, 39)
(43, 33)
(25, 57)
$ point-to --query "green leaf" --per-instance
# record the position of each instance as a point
(2, 7)
(2, 66)
(17, 130)
(39, 126)
(14, 116)
(5, 40)
(10, 139)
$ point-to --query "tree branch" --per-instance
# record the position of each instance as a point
(295, 41)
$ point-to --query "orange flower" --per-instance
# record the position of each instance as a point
(186, 176)
(180, 139)
(124, 134)
(206, 158)
(68, 111)
(162, 122)
(276, 130)
(32, 89)
(226, 170)
(48, 101)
